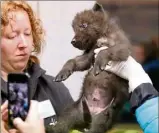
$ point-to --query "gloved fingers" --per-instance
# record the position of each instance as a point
(96, 51)
(118, 68)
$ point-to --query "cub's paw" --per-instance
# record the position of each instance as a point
(63, 75)
(100, 62)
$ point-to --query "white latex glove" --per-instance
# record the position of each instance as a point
(129, 70)
(33, 123)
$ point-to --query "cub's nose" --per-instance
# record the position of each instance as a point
(73, 41)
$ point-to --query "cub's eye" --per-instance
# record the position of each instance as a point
(84, 25)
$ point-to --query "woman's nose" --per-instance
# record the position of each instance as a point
(22, 41)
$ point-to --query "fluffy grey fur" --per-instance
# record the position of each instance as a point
(103, 93)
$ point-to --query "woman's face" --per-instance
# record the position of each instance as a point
(16, 42)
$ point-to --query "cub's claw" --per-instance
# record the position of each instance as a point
(63, 75)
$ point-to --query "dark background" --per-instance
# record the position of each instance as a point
(138, 18)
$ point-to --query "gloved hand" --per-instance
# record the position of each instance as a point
(129, 70)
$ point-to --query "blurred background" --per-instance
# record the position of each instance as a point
(138, 18)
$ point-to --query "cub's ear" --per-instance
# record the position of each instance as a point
(98, 7)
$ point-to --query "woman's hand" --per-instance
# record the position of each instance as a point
(33, 123)
(4, 119)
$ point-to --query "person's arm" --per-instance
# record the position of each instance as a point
(59, 93)
(144, 97)
(61, 90)
(147, 112)
(66, 97)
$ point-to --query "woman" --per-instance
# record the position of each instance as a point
(22, 35)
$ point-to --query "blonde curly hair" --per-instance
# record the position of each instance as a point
(37, 29)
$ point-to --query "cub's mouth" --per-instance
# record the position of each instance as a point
(78, 44)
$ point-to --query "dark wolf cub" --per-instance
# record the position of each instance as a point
(103, 93)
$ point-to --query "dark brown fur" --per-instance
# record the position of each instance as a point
(99, 87)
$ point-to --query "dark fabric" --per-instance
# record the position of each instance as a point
(153, 64)
(42, 87)
(152, 69)
(142, 93)
(154, 76)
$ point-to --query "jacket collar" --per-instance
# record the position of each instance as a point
(35, 72)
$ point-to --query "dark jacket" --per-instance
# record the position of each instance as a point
(141, 94)
(152, 69)
(144, 102)
(42, 87)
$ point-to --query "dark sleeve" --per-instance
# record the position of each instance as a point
(59, 94)
(66, 96)
(141, 94)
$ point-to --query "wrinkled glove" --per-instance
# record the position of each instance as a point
(129, 70)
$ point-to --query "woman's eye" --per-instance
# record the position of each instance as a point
(12, 36)
(28, 34)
